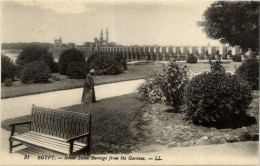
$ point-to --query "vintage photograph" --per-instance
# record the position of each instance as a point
(129, 82)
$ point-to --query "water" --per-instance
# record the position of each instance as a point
(13, 56)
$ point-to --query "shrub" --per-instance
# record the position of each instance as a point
(8, 68)
(217, 99)
(55, 68)
(122, 60)
(249, 70)
(68, 56)
(35, 72)
(237, 58)
(77, 70)
(34, 53)
(166, 86)
(8, 82)
(191, 58)
(151, 91)
(216, 67)
(107, 64)
(55, 78)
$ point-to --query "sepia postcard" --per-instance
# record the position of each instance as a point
(129, 82)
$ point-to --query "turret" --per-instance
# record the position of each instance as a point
(106, 37)
(101, 37)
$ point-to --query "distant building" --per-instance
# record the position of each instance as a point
(71, 45)
(57, 43)
(101, 42)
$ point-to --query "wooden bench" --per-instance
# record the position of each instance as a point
(55, 130)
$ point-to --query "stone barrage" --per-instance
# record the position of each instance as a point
(155, 52)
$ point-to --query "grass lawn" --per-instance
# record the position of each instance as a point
(133, 72)
(115, 123)
(201, 67)
(124, 124)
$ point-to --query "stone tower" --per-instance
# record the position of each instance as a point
(101, 38)
(106, 37)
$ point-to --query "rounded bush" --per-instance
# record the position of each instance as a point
(166, 86)
(68, 56)
(34, 53)
(8, 68)
(237, 58)
(122, 60)
(35, 72)
(249, 70)
(191, 58)
(77, 70)
(107, 64)
(217, 99)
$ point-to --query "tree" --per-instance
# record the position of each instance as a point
(68, 56)
(8, 68)
(34, 53)
(233, 23)
(35, 72)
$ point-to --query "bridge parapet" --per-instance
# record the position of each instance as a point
(162, 52)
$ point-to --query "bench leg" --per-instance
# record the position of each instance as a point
(10, 145)
(88, 150)
(71, 147)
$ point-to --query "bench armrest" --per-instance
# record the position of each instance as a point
(77, 137)
(19, 123)
(16, 124)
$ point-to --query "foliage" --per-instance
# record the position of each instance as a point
(192, 58)
(237, 58)
(24, 45)
(35, 72)
(8, 82)
(151, 91)
(8, 68)
(55, 68)
(217, 99)
(107, 64)
(122, 60)
(216, 67)
(77, 70)
(166, 86)
(233, 23)
(68, 56)
(249, 70)
(35, 53)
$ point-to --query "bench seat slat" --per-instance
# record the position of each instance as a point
(55, 138)
(42, 142)
(51, 141)
(57, 144)
(39, 144)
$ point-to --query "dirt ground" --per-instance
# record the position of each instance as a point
(162, 127)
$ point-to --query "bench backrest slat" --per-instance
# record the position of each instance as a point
(59, 123)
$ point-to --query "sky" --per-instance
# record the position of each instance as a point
(129, 23)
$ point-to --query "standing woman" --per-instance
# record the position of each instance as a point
(89, 91)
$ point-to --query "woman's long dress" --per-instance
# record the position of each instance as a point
(88, 91)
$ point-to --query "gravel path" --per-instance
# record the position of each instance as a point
(19, 106)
